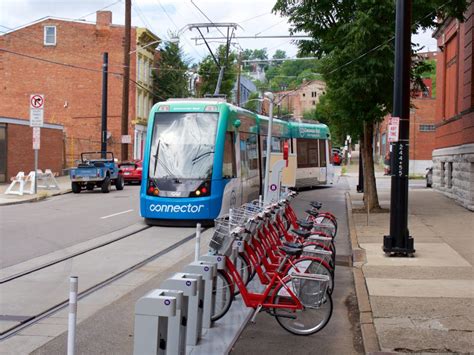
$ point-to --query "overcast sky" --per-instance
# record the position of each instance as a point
(163, 16)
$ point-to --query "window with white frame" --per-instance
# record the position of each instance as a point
(49, 35)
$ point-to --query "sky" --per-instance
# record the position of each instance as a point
(163, 17)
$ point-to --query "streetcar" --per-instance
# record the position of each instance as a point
(204, 156)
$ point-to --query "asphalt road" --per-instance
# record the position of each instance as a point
(342, 334)
(33, 229)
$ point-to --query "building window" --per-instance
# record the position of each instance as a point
(451, 77)
(314, 94)
(450, 175)
(314, 103)
(442, 172)
(139, 106)
(427, 128)
(304, 94)
(49, 35)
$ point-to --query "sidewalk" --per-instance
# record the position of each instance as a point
(424, 303)
(64, 183)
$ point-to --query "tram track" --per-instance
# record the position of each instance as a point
(61, 305)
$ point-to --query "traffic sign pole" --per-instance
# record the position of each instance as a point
(36, 121)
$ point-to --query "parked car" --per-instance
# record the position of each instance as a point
(429, 177)
(132, 171)
(96, 170)
(336, 156)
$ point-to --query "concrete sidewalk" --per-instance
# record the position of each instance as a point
(424, 303)
(64, 183)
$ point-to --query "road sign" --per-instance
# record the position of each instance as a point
(36, 110)
(36, 137)
(393, 128)
(127, 139)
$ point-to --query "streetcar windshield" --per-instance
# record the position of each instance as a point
(182, 145)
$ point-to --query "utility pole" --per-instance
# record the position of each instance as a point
(126, 77)
(269, 96)
(399, 242)
(238, 79)
(105, 70)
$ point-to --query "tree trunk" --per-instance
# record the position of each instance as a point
(371, 199)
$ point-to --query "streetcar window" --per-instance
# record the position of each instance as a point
(322, 153)
(308, 153)
(229, 169)
(183, 145)
(248, 155)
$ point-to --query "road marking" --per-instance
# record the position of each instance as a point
(115, 214)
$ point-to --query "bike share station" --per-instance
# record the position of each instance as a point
(176, 318)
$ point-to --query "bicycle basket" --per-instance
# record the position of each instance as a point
(310, 288)
(222, 238)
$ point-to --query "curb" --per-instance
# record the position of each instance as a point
(367, 327)
(36, 199)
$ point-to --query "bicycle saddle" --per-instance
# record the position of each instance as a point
(305, 224)
(302, 233)
(312, 213)
(293, 245)
(291, 251)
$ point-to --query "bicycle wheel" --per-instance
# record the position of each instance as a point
(223, 293)
(326, 224)
(309, 320)
(330, 259)
(313, 265)
(243, 268)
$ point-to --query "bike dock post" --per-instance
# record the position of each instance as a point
(188, 286)
(157, 323)
(208, 270)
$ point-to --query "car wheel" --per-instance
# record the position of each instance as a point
(76, 187)
(106, 185)
(119, 183)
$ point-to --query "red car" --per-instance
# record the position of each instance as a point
(132, 171)
(336, 158)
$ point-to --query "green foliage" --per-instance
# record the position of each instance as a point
(252, 104)
(209, 72)
(279, 54)
(249, 54)
(430, 72)
(344, 34)
(169, 77)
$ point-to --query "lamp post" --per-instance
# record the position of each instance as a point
(269, 96)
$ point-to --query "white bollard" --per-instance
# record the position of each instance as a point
(71, 331)
(197, 246)
(260, 201)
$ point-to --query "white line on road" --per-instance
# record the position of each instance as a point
(115, 214)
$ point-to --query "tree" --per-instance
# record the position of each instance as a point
(169, 77)
(209, 72)
(354, 38)
(279, 54)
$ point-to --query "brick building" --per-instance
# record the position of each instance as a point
(422, 134)
(453, 157)
(297, 102)
(62, 59)
(16, 141)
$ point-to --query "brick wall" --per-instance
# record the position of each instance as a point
(20, 154)
(72, 96)
(455, 83)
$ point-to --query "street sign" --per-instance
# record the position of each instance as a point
(127, 139)
(36, 110)
(393, 128)
(36, 137)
